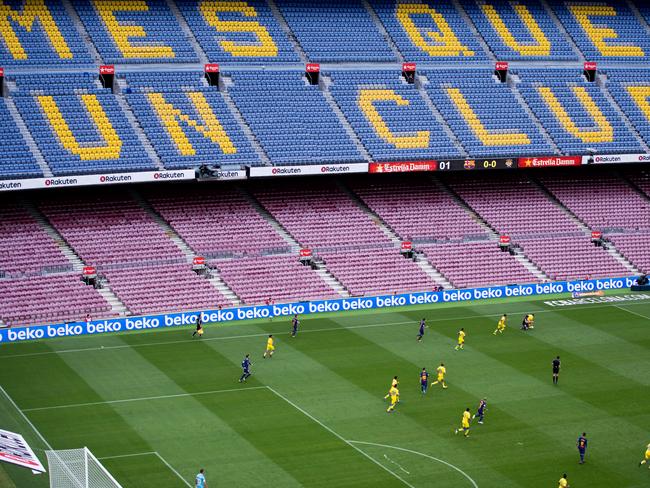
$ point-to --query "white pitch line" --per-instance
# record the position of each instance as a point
(633, 313)
(173, 470)
(419, 454)
(150, 453)
(141, 399)
(302, 331)
(335, 434)
(396, 464)
(29, 422)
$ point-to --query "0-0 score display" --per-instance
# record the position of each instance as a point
(476, 164)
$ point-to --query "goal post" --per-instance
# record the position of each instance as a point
(78, 468)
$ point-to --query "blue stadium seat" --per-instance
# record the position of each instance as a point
(40, 33)
(631, 90)
(291, 119)
(239, 32)
(604, 30)
(318, 26)
(136, 32)
(201, 131)
(429, 31)
(485, 114)
(519, 30)
(391, 118)
(575, 112)
(79, 126)
(16, 160)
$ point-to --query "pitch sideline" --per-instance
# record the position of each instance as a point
(305, 331)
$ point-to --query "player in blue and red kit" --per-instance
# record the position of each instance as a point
(246, 368)
(421, 332)
(424, 380)
(480, 413)
(294, 325)
(582, 446)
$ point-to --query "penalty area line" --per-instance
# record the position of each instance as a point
(417, 453)
(339, 436)
(150, 453)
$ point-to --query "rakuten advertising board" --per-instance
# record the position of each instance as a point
(188, 319)
(310, 169)
(87, 180)
(616, 159)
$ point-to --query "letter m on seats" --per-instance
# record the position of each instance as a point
(210, 128)
(25, 18)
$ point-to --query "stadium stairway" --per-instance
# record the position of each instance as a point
(420, 81)
(27, 135)
(214, 278)
(419, 259)
(189, 35)
(81, 28)
(522, 101)
(324, 84)
(609, 247)
(139, 130)
(321, 270)
(287, 30)
(601, 81)
(494, 235)
(382, 30)
(225, 82)
(468, 21)
(562, 29)
(117, 306)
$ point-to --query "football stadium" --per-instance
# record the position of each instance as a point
(324, 243)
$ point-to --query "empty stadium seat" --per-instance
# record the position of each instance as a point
(519, 30)
(429, 31)
(16, 160)
(390, 117)
(79, 126)
(291, 119)
(325, 38)
(238, 32)
(485, 114)
(576, 114)
(187, 122)
(135, 31)
(631, 90)
(41, 34)
(603, 30)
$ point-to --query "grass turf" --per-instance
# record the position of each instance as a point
(158, 406)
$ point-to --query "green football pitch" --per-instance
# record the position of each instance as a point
(157, 406)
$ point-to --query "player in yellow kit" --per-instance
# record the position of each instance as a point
(393, 384)
(461, 339)
(531, 320)
(646, 459)
(464, 423)
(270, 347)
(442, 371)
(501, 325)
(563, 482)
(394, 398)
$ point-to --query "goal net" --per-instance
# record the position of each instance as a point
(78, 468)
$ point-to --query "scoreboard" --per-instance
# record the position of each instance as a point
(476, 164)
